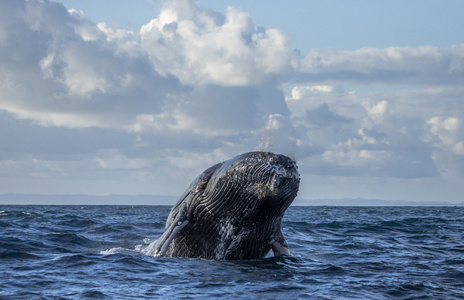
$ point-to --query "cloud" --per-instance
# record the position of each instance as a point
(57, 77)
(447, 137)
(373, 141)
(175, 72)
(323, 116)
(191, 82)
(199, 47)
(400, 65)
(95, 106)
(447, 132)
(377, 111)
(300, 92)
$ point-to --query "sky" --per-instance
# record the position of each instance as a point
(102, 97)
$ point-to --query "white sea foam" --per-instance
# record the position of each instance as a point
(138, 249)
(117, 250)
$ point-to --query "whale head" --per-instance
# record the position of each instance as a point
(255, 184)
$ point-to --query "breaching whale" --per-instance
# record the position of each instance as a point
(233, 210)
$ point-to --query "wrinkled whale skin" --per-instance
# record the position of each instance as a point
(233, 210)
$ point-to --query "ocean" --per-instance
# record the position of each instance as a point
(96, 252)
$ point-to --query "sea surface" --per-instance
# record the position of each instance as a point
(96, 252)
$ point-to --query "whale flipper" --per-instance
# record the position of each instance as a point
(279, 245)
(161, 245)
(178, 218)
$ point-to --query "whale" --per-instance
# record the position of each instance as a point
(233, 210)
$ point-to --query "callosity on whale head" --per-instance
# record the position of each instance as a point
(233, 210)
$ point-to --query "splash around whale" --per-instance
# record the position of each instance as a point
(233, 210)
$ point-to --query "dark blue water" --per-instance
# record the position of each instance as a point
(73, 252)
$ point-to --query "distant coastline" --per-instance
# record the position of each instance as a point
(368, 202)
(76, 199)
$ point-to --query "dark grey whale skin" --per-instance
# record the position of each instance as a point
(233, 210)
